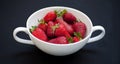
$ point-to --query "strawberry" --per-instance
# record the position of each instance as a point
(77, 36)
(61, 31)
(39, 33)
(50, 16)
(59, 40)
(67, 26)
(69, 17)
(50, 29)
(76, 39)
(80, 27)
(42, 25)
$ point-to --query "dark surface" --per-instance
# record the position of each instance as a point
(14, 13)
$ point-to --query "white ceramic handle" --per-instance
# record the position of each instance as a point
(21, 29)
(98, 37)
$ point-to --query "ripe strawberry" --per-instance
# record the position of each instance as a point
(59, 40)
(80, 27)
(50, 16)
(42, 25)
(76, 39)
(67, 26)
(61, 31)
(69, 17)
(50, 30)
(39, 33)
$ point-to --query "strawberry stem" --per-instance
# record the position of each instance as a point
(60, 13)
(63, 12)
(55, 26)
(70, 39)
(41, 21)
(33, 28)
(78, 34)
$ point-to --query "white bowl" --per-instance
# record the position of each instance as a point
(58, 49)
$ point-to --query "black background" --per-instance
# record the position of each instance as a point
(14, 13)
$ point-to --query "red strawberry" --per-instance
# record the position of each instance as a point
(80, 27)
(61, 31)
(76, 39)
(50, 30)
(59, 40)
(39, 33)
(69, 17)
(50, 16)
(67, 26)
(42, 25)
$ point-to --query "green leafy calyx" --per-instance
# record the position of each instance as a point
(33, 28)
(78, 34)
(60, 13)
(55, 27)
(41, 21)
(70, 39)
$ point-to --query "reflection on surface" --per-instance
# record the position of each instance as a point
(37, 56)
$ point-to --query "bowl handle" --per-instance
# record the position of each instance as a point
(21, 29)
(98, 37)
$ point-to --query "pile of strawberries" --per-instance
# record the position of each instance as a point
(59, 27)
